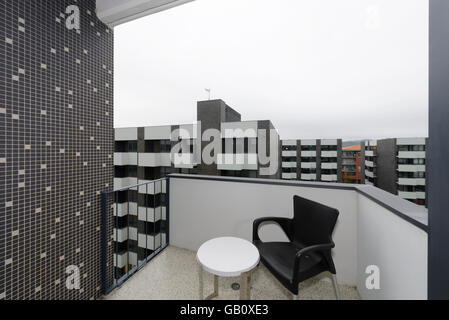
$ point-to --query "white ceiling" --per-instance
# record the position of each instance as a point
(115, 12)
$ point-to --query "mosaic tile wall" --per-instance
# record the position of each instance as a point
(56, 147)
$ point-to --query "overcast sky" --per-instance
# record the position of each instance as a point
(315, 68)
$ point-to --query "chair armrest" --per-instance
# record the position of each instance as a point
(314, 248)
(322, 248)
(285, 224)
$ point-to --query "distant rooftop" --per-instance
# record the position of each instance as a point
(356, 147)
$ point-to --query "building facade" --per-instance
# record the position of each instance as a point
(312, 160)
(369, 149)
(145, 154)
(398, 165)
(353, 164)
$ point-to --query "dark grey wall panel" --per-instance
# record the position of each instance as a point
(339, 160)
(298, 160)
(56, 147)
(210, 113)
(386, 165)
(438, 151)
(362, 162)
(318, 160)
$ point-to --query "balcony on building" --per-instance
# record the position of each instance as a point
(374, 228)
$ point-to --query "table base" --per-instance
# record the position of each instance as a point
(245, 285)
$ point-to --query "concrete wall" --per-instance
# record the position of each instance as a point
(397, 247)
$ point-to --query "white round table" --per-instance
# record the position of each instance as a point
(228, 257)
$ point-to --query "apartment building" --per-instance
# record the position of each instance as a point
(398, 165)
(353, 164)
(312, 160)
(144, 154)
(290, 166)
(239, 155)
(369, 149)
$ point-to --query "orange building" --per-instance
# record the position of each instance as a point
(351, 164)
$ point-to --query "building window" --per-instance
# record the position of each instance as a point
(253, 147)
(328, 148)
(165, 146)
(126, 146)
(308, 148)
(132, 146)
(412, 161)
(125, 171)
(412, 148)
(288, 148)
(308, 171)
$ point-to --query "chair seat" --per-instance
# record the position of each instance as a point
(279, 258)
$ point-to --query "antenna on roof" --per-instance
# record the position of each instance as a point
(208, 91)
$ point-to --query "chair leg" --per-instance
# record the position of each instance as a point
(295, 296)
(336, 288)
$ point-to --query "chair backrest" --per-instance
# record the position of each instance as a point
(313, 222)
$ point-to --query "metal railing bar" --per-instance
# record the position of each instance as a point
(160, 214)
(167, 211)
(120, 281)
(116, 235)
(132, 186)
(128, 239)
(146, 222)
(154, 215)
(130, 271)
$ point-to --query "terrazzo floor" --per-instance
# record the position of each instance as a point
(173, 275)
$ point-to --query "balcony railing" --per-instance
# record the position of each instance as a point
(134, 229)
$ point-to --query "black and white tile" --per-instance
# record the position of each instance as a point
(56, 142)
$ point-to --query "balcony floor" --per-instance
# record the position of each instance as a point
(173, 275)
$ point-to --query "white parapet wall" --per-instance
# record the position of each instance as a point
(396, 247)
(201, 210)
(367, 233)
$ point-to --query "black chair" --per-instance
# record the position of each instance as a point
(309, 251)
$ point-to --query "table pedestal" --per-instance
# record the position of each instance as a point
(245, 285)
